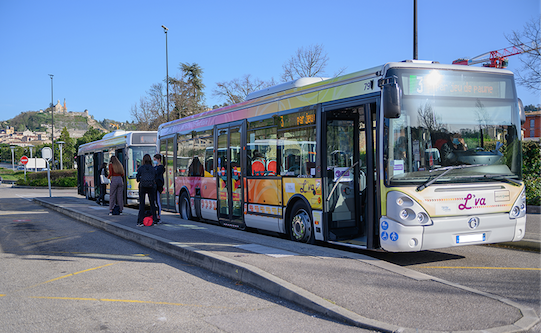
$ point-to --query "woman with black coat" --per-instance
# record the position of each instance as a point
(146, 176)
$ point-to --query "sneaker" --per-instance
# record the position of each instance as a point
(140, 225)
(110, 213)
(120, 213)
(159, 222)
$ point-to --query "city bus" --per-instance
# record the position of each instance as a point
(407, 156)
(128, 147)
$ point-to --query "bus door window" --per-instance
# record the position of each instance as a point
(184, 154)
(340, 169)
(221, 171)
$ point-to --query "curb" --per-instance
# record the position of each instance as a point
(271, 284)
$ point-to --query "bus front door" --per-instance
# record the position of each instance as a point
(347, 175)
(229, 176)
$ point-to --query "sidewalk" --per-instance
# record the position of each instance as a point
(349, 287)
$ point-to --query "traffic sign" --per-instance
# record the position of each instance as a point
(47, 153)
(24, 160)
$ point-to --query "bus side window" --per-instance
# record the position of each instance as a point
(261, 151)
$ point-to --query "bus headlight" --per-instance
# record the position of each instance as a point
(519, 207)
(133, 194)
(402, 208)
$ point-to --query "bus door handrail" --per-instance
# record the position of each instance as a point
(338, 180)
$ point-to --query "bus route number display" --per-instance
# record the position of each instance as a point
(298, 119)
(443, 86)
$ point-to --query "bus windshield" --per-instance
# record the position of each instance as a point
(135, 158)
(463, 124)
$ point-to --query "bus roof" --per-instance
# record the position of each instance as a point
(304, 92)
(113, 139)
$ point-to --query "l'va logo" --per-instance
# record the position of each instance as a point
(476, 201)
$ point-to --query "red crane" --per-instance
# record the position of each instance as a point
(498, 58)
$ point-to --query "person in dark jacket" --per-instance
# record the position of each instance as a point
(146, 176)
(160, 170)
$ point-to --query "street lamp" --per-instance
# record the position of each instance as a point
(52, 118)
(32, 147)
(12, 157)
(166, 69)
(61, 162)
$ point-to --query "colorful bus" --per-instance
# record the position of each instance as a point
(129, 147)
(407, 156)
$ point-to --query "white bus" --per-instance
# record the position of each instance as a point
(406, 156)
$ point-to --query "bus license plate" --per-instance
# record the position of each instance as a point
(470, 238)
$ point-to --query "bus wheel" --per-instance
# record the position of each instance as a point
(184, 207)
(301, 224)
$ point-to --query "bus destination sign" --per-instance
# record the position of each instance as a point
(448, 86)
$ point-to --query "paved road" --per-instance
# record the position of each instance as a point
(58, 275)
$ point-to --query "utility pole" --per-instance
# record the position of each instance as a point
(166, 70)
(52, 118)
(415, 54)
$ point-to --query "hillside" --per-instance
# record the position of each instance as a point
(77, 125)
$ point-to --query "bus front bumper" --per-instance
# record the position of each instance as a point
(450, 231)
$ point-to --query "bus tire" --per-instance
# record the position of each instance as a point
(300, 224)
(184, 207)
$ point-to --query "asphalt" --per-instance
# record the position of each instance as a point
(354, 288)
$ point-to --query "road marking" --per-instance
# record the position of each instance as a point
(23, 197)
(1, 295)
(502, 268)
(72, 274)
(126, 301)
(269, 251)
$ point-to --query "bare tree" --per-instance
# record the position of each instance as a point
(529, 75)
(306, 62)
(236, 90)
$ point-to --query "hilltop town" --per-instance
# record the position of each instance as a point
(34, 127)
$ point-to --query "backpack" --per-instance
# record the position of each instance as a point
(148, 220)
(116, 210)
(147, 176)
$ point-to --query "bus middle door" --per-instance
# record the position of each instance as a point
(229, 175)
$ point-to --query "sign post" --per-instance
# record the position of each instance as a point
(47, 154)
(24, 160)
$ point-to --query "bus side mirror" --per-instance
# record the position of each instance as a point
(522, 112)
(391, 97)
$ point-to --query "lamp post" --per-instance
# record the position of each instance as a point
(166, 70)
(61, 161)
(415, 54)
(32, 147)
(12, 157)
(52, 118)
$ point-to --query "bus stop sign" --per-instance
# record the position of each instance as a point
(24, 160)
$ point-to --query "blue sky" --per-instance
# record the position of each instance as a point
(106, 54)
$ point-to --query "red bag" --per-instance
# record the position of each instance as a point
(148, 221)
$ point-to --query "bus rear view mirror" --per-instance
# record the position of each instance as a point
(391, 97)
(522, 112)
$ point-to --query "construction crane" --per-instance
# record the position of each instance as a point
(114, 125)
(498, 58)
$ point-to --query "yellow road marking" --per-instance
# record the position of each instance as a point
(72, 274)
(502, 268)
(124, 301)
(2, 295)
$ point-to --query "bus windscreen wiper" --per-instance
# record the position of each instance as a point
(503, 178)
(445, 171)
